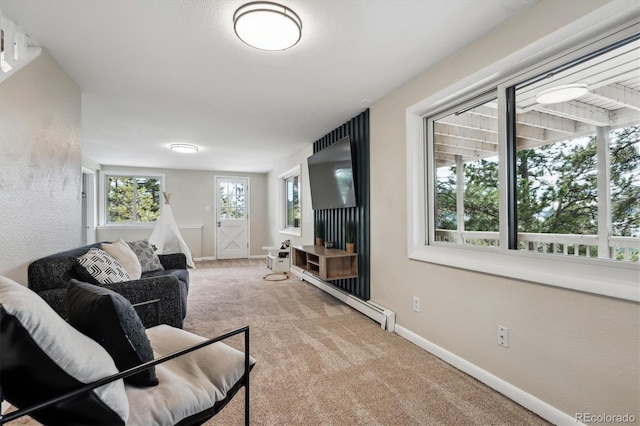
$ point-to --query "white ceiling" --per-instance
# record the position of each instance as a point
(154, 73)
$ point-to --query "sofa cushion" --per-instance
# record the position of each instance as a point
(102, 267)
(111, 320)
(55, 271)
(181, 274)
(121, 252)
(41, 349)
(148, 258)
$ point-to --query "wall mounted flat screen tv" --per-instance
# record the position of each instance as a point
(331, 176)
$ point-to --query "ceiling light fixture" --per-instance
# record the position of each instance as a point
(267, 26)
(563, 93)
(184, 148)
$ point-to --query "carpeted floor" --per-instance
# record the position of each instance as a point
(319, 362)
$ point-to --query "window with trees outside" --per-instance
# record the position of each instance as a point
(292, 201)
(572, 163)
(466, 208)
(132, 199)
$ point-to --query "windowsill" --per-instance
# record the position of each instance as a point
(294, 232)
(598, 276)
(143, 226)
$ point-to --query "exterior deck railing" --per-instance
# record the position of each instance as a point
(619, 248)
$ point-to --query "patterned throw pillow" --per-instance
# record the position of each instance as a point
(149, 260)
(102, 267)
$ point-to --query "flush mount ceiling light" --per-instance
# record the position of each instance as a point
(184, 148)
(563, 93)
(267, 26)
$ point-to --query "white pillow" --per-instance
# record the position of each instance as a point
(102, 267)
(60, 350)
(123, 254)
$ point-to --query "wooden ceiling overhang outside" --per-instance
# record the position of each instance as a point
(613, 101)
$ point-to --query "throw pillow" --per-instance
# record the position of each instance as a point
(102, 267)
(41, 349)
(110, 319)
(123, 254)
(149, 260)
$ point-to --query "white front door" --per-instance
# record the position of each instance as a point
(232, 212)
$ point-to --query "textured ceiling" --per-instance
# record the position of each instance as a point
(154, 73)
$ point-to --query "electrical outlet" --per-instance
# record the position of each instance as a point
(416, 303)
(503, 336)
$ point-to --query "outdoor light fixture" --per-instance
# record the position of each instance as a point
(267, 26)
(563, 93)
(184, 148)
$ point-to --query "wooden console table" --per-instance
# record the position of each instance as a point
(327, 264)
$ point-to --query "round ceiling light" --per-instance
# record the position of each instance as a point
(562, 93)
(267, 26)
(184, 148)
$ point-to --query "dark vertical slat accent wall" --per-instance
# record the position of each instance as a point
(334, 219)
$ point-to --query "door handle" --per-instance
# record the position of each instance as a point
(218, 224)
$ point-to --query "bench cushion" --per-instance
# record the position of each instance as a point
(211, 375)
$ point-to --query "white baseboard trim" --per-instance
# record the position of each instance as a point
(523, 398)
(383, 316)
(296, 271)
(255, 256)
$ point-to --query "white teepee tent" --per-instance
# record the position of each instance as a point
(166, 237)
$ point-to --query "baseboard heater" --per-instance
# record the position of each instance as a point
(385, 317)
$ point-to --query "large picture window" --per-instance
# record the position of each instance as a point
(535, 176)
(575, 182)
(132, 199)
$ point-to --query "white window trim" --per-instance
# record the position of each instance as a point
(603, 277)
(103, 197)
(294, 232)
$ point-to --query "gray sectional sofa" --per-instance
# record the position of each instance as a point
(49, 276)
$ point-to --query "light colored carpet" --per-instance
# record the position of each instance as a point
(319, 362)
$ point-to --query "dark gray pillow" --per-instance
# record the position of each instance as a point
(110, 319)
(149, 260)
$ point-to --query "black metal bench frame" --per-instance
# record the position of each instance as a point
(90, 386)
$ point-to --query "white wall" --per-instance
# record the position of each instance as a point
(275, 207)
(40, 166)
(191, 193)
(577, 352)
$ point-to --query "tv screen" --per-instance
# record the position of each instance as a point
(331, 176)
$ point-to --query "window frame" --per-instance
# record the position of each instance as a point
(105, 202)
(430, 160)
(291, 173)
(597, 276)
